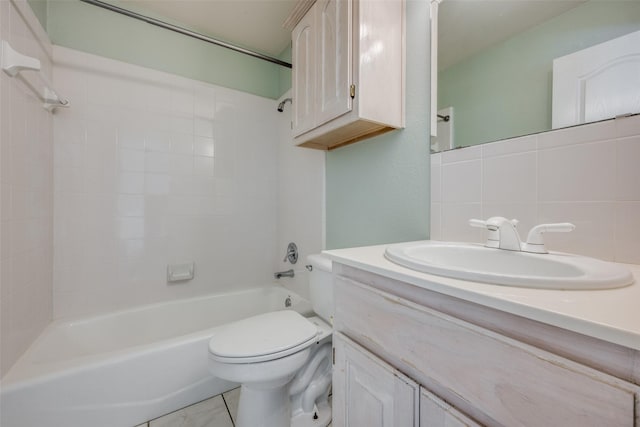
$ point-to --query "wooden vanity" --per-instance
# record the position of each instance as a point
(408, 355)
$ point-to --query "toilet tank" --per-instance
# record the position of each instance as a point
(321, 286)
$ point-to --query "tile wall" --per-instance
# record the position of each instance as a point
(149, 169)
(300, 203)
(26, 177)
(153, 169)
(587, 175)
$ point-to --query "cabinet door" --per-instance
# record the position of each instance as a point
(303, 41)
(333, 23)
(368, 392)
(434, 412)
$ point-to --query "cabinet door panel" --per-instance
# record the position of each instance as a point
(303, 41)
(380, 52)
(368, 392)
(434, 412)
(334, 70)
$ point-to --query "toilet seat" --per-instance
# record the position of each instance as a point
(264, 337)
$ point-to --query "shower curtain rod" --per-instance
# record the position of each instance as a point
(186, 32)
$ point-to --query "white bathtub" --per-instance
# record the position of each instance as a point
(127, 367)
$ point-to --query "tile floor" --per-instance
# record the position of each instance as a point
(218, 411)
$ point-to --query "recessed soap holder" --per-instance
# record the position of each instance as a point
(180, 272)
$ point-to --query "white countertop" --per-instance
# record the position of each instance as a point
(611, 315)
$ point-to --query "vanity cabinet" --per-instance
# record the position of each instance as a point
(435, 412)
(470, 374)
(348, 72)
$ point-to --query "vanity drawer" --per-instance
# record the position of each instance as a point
(496, 379)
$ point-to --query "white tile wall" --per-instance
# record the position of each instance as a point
(26, 213)
(628, 172)
(436, 197)
(509, 179)
(578, 172)
(149, 169)
(627, 232)
(300, 203)
(460, 181)
(153, 169)
(587, 175)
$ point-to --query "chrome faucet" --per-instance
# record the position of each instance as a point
(292, 253)
(288, 273)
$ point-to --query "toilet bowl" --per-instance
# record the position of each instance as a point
(281, 359)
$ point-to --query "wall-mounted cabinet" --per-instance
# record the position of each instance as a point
(348, 72)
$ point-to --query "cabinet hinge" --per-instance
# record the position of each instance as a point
(352, 91)
(334, 356)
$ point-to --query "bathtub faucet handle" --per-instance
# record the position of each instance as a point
(292, 253)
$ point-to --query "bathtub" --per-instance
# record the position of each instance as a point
(127, 367)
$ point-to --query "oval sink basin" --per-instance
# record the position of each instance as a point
(478, 263)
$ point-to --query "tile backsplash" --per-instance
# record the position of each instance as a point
(588, 175)
(154, 169)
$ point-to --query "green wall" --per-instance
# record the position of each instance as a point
(39, 8)
(91, 29)
(505, 90)
(284, 72)
(378, 189)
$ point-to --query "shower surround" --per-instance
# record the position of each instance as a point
(154, 169)
(143, 170)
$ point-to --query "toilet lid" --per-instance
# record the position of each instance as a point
(275, 333)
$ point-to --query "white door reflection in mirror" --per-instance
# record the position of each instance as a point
(444, 139)
(597, 83)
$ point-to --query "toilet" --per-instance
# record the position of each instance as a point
(281, 359)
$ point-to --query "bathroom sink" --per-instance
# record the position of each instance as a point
(478, 263)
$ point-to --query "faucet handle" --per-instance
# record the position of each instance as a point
(292, 253)
(478, 223)
(535, 241)
(494, 221)
(493, 236)
(493, 228)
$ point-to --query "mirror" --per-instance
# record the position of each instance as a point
(496, 65)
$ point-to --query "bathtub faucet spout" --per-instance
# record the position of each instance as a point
(288, 273)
